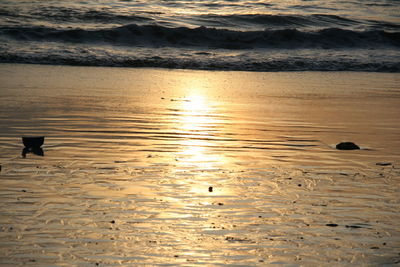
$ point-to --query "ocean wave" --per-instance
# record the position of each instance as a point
(204, 61)
(110, 16)
(65, 14)
(77, 15)
(269, 20)
(159, 36)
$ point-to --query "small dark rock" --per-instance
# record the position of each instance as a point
(347, 146)
(383, 163)
(32, 145)
(210, 189)
(112, 221)
(353, 226)
(220, 204)
(374, 247)
(33, 141)
(299, 185)
(332, 224)
(23, 190)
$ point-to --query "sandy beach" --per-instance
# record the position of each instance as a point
(166, 167)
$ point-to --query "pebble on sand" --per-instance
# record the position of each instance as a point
(332, 224)
(347, 146)
(378, 164)
(354, 226)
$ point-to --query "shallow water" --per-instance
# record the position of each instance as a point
(160, 167)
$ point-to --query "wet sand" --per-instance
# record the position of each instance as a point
(179, 167)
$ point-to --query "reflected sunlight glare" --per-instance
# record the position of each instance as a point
(196, 123)
(195, 115)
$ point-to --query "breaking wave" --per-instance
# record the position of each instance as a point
(205, 61)
(159, 36)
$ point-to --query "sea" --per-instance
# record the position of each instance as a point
(248, 35)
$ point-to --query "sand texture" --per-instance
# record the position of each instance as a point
(175, 167)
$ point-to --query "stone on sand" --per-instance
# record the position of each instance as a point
(347, 146)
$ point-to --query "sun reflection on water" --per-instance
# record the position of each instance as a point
(197, 123)
(195, 114)
(198, 165)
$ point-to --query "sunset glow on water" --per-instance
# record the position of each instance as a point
(160, 167)
(209, 133)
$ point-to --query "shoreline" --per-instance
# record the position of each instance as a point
(384, 69)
